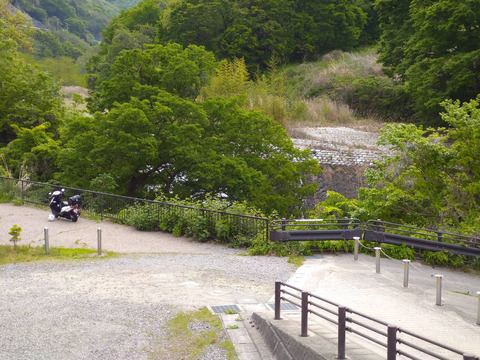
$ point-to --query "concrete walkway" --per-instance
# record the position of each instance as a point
(356, 285)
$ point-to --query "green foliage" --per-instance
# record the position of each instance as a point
(432, 178)
(231, 80)
(171, 68)
(15, 232)
(255, 31)
(33, 149)
(430, 46)
(400, 252)
(335, 206)
(436, 258)
(144, 217)
(15, 27)
(39, 94)
(65, 69)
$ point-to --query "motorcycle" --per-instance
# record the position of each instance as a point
(65, 209)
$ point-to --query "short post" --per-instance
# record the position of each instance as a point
(278, 286)
(438, 301)
(468, 356)
(377, 258)
(406, 267)
(99, 241)
(355, 250)
(304, 314)
(392, 342)
(342, 317)
(45, 235)
(478, 310)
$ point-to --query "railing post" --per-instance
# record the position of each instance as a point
(478, 310)
(406, 266)
(304, 314)
(438, 278)
(283, 224)
(101, 207)
(392, 342)
(439, 236)
(356, 246)
(278, 287)
(342, 317)
(347, 222)
(23, 192)
(377, 259)
(45, 235)
(99, 241)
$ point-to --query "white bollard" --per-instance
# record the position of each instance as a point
(99, 241)
(377, 258)
(438, 278)
(406, 266)
(45, 235)
(357, 244)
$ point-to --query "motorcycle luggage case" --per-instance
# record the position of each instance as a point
(75, 200)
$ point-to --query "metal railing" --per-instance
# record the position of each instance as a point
(373, 230)
(121, 208)
(423, 239)
(365, 326)
(317, 229)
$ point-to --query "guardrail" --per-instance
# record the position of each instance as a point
(369, 328)
(318, 229)
(422, 239)
(373, 230)
(120, 208)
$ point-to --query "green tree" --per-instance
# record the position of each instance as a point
(433, 47)
(15, 232)
(77, 27)
(174, 69)
(15, 27)
(231, 79)
(162, 141)
(33, 151)
(28, 96)
(432, 178)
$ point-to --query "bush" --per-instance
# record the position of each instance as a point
(145, 218)
(197, 228)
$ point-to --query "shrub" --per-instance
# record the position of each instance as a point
(197, 227)
(145, 217)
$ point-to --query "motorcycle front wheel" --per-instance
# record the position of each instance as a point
(73, 216)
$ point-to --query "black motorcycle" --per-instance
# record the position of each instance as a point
(65, 209)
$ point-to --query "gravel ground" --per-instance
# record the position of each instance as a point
(117, 308)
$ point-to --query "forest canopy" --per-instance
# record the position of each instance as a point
(190, 97)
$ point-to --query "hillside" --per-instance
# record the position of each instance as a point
(68, 28)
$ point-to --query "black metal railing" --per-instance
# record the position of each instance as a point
(376, 231)
(413, 346)
(315, 229)
(121, 208)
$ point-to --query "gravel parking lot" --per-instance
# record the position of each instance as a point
(116, 308)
